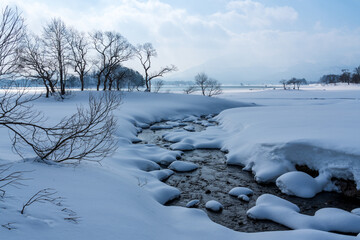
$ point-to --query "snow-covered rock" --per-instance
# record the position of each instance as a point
(193, 203)
(162, 126)
(189, 128)
(301, 184)
(244, 198)
(190, 119)
(182, 146)
(142, 125)
(270, 207)
(237, 191)
(214, 206)
(181, 166)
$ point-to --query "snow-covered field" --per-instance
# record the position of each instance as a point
(122, 198)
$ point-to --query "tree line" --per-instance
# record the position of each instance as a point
(62, 54)
(345, 77)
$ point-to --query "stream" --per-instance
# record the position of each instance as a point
(214, 179)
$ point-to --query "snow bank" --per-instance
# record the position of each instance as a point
(314, 128)
(270, 207)
(121, 198)
(301, 184)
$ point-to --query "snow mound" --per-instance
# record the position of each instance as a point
(182, 146)
(189, 128)
(214, 206)
(181, 166)
(190, 119)
(193, 203)
(244, 198)
(356, 211)
(301, 184)
(212, 138)
(270, 207)
(142, 125)
(237, 191)
(161, 192)
(159, 127)
(162, 174)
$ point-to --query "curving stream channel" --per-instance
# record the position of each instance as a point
(214, 179)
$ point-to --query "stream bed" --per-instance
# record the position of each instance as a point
(214, 179)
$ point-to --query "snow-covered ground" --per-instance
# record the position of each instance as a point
(122, 198)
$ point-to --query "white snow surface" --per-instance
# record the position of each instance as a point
(270, 207)
(315, 128)
(122, 198)
(301, 184)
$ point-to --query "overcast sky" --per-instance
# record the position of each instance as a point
(240, 41)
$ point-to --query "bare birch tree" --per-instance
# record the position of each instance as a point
(12, 30)
(144, 53)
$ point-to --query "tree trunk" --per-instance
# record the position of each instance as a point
(47, 88)
(98, 83)
(51, 85)
(82, 81)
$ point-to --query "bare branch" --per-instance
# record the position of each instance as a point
(112, 49)
(190, 89)
(86, 135)
(9, 179)
(42, 196)
(208, 86)
(12, 30)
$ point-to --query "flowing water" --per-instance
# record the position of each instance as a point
(214, 179)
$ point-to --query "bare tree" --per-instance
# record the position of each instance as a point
(144, 53)
(80, 47)
(12, 30)
(208, 86)
(190, 89)
(112, 49)
(283, 82)
(213, 87)
(201, 81)
(55, 37)
(36, 63)
(158, 85)
(86, 135)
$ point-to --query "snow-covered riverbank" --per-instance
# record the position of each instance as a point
(120, 198)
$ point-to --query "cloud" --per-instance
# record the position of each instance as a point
(247, 13)
(244, 34)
